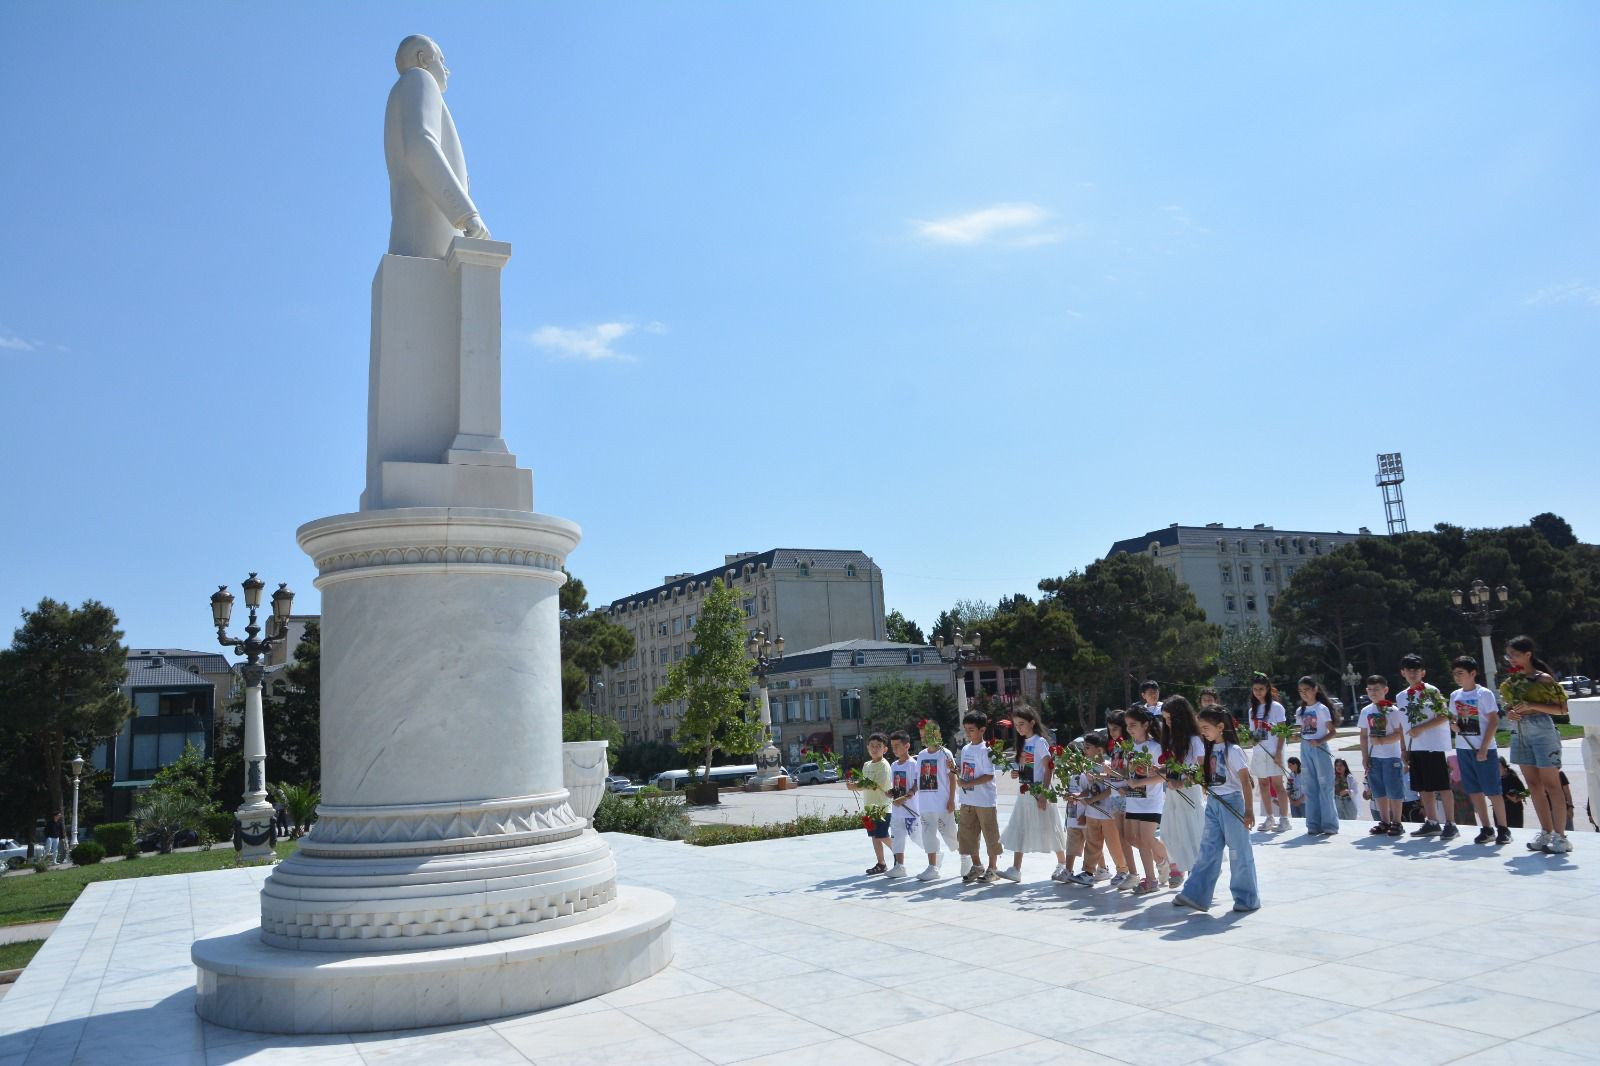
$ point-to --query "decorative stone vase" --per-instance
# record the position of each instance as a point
(583, 772)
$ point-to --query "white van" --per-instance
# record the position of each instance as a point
(721, 776)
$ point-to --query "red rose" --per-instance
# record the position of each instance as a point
(922, 723)
(867, 823)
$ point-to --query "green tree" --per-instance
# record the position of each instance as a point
(60, 685)
(295, 730)
(1045, 634)
(902, 629)
(1241, 653)
(714, 683)
(191, 773)
(587, 725)
(590, 642)
(300, 803)
(168, 811)
(1141, 619)
(899, 703)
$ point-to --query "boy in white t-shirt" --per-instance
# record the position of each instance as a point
(1383, 756)
(935, 798)
(1429, 743)
(902, 791)
(1476, 714)
(978, 798)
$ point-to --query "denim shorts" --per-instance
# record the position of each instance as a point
(1535, 742)
(1387, 780)
(1478, 777)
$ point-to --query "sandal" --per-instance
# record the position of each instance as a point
(878, 869)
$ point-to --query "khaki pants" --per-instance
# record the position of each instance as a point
(973, 821)
(1098, 834)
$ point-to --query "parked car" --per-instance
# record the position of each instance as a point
(12, 853)
(183, 838)
(616, 782)
(809, 773)
(630, 789)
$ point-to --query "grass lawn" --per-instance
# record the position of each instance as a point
(46, 897)
(16, 956)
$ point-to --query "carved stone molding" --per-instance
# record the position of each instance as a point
(442, 828)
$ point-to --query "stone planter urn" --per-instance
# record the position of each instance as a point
(583, 772)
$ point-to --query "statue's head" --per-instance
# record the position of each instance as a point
(420, 51)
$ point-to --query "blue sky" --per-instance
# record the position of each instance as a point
(978, 290)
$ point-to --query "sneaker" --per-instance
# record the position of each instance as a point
(1010, 874)
(878, 869)
(1502, 835)
(1559, 844)
(972, 874)
(1378, 830)
(989, 877)
(1061, 868)
(1538, 842)
(1102, 874)
(1083, 879)
(1119, 880)
(1181, 900)
(1450, 831)
(1174, 877)
(897, 870)
(1144, 888)
(1240, 908)
(1485, 835)
(1427, 829)
(930, 874)
(1283, 825)
(1396, 829)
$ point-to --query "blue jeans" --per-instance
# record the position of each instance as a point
(1316, 777)
(1222, 828)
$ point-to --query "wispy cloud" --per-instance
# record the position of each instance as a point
(590, 343)
(1178, 214)
(12, 343)
(1020, 225)
(1573, 292)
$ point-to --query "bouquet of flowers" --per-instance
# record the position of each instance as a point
(1425, 705)
(874, 813)
(1285, 731)
(1180, 775)
(1520, 687)
(1040, 788)
(823, 757)
(930, 733)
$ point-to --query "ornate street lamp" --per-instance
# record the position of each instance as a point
(1351, 678)
(77, 775)
(255, 829)
(769, 761)
(961, 653)
(1481, 606)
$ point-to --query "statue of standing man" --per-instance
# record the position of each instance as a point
(428, 199)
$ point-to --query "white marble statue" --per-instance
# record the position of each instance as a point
(428, 198)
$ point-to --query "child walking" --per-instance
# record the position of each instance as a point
(1383, 756)
(978, 798)
(1100, 829)
(873, 794)
(935, 797)
(1183, 817)
(902, 791)
(1144, 793)
(1035, 824)
(1266, 758)
(1229, 819)
(1477, 718)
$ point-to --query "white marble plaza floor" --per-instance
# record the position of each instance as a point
(1411, 952)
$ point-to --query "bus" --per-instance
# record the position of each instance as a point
(721, 776)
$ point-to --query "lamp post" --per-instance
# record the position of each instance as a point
(596, 690)
(961, 653)
(255, 827)
(1481, 606)
(769, 761)
(1350, 680)
(77, 775)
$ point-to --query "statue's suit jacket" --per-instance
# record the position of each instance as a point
(427, 171)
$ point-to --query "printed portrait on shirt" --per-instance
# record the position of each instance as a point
(928, 775)
(1467, 721)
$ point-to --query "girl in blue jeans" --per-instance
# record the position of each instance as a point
(1229, 819)
(1316, 730)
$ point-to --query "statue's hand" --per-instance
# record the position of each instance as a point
(474, 227)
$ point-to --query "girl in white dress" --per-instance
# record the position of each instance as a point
(1266, 758)
(1183, 819)
(1035, 823)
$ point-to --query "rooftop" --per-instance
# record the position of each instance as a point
(1177, 535)
(775, 559)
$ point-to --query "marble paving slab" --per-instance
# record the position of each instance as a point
(1363, 952)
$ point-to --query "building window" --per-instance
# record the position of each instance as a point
(850, 570)
(749, 606)
(1230, 603)
(916, 656)
(1227, 573)
(823, 713)
(989, 681)
(677, 626)
(1249, 603)
(859, 658)
(689, 624)
(692, 648)
(805, 571)
(1013, 679)
(677, 652)
(1244, 572)
(1266, 573)
(661, 630)
(810, 708)
(763, 601)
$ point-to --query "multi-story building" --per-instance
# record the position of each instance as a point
(177, 697)
(1235, 574)
(810, 597)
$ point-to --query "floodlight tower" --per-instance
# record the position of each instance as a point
(1391, 472)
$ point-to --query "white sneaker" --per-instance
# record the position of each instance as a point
(1559, 844)
(1283, 825)
(1082, 878)
(1102, 874)
(930, 874)
(1538, 843)
(1059, 871)
(1119, 880)
(1010, 873)
(897, 870)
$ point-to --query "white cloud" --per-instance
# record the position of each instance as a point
(12, 343)
(997, 222)
(1572, 292)
(590, 343)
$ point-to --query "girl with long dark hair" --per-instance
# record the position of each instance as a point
(1183, 818)
(1536, 743)
(1316, 730)
(1266, 758)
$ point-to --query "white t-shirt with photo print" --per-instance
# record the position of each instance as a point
(1472, 708)
(1432, 738)
(976, 762)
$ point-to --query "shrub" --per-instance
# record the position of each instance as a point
(804, 825)
(115, 837)
(219, 824)
(87, 853)
(40, 863)
(661, 817)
